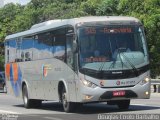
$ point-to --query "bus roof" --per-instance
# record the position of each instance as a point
(44, 26)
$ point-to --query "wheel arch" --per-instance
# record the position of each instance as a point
(24, 83)
(62, 84)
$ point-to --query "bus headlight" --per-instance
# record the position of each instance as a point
(88, 83)
(146, 80)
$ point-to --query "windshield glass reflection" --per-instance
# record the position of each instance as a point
(102, 47)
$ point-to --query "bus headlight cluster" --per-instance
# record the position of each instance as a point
(146, 80)
(88, 83)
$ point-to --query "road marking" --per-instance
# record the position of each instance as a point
(8, 112)
(52, 118)
(146, 105)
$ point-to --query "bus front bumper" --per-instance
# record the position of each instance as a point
(99, 94)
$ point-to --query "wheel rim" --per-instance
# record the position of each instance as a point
(4, 89)
(25, 99)
(64, 99)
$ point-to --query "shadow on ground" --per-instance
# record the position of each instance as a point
(93, 108)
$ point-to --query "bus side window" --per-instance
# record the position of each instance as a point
(11, 50)
(43, 46)
(7, 51)
(26, 52)
(59, 45)
(7, 54)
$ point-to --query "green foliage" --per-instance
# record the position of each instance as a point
(148, 11)
(16, 18)
(107, 7)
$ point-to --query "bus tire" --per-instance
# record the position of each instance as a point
(67, 106)
(27, 102)
(123, 104)
(4, 89)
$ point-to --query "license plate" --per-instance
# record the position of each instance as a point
(119, 93)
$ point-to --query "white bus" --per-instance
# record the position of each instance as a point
(78, 61)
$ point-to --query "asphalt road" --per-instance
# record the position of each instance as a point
(12, 108)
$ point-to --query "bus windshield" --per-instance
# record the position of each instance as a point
(113, 47)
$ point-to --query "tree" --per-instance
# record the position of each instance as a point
(148, 11)
(16, 18)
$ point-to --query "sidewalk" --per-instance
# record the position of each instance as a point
(155, 94)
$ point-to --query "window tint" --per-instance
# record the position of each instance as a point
(26, 52)
(12, 50)
(40, 46)
(43, 46)
(59, 48)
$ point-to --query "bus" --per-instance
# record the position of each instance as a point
(78, 61)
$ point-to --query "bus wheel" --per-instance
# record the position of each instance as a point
(28, 103)
(26, 100)
(4, 89)
(67, 106)
(123, 104)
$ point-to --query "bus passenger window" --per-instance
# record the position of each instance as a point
(43, 46)
(59, 45)
(27, 48)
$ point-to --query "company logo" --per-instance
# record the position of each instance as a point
(45, 69)
(125, 82)
(101, 83)
(118, 82)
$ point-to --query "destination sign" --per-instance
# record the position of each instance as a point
(96, 59)
(92, 30)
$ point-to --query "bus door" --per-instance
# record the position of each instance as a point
(71, 66)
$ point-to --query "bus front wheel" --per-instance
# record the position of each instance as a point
(67, 106)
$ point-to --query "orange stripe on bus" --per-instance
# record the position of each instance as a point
(15, 72)
(8, 71)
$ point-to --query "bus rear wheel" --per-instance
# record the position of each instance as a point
(4, 89)
(123, 104)
(67, 106)
(28, 103)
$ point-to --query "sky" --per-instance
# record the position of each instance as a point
(22, 2)
(1, 3)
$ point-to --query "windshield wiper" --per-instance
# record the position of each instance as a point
(114, 60)
(131, 64)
